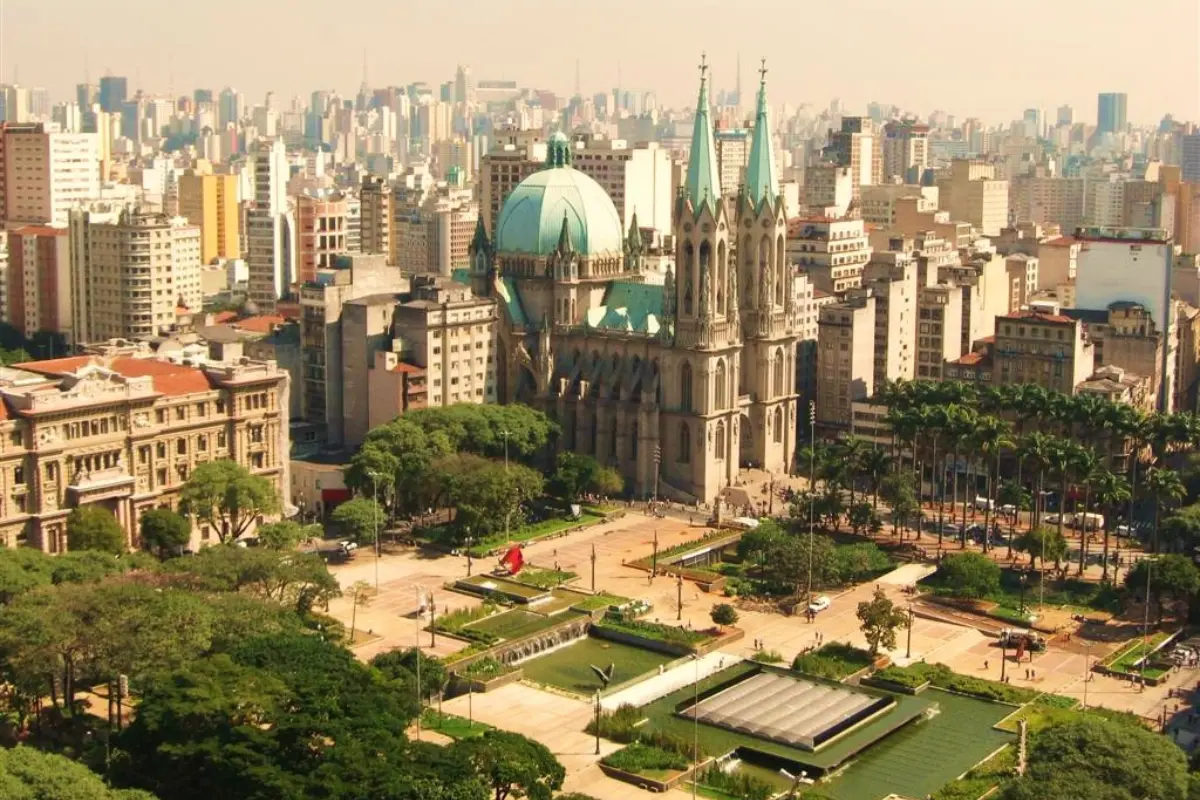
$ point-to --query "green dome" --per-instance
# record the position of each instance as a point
(532, 218)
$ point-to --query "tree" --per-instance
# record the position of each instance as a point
(899, 492)
(286, 534)
(360, 595)
(787, 563)
(359, 519)
(1111, 492)
(880, 618)
(29, 774)
(1171, 577)
(606, 482)
(572, 473)
(226, 496)
(724, 614)
(512, 765)
(401, 666)
(488, 495)
(860, 517)
(970, 574)
(295, 580)
(94, 528)
(1166, 486)
(1090, 757)
(1044, 543)
(164, 532)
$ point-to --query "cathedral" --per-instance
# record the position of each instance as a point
(678, 383)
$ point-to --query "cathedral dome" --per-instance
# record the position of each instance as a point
(532, 218)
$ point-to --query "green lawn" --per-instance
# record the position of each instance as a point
(453, 726)
(1071, 593)
(517, 623)
(597, 601)
(537, 530)
(834, 661)
(570, 667)
(1126, 660)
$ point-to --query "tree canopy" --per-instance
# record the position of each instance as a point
(29, 774)
(969, 575)
(1172, 578)
(229, 498)
(880, 618)
(94, 528)
(359, 518)
(163, 531)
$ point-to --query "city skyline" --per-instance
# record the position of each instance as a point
(914, 77)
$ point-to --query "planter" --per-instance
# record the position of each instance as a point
(646, 643)
(463, 685)
(653, 784)
(891, 686)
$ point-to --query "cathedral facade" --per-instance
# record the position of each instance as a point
(678, 383)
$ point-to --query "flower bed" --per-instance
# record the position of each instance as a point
(544, 578)
(455, 624)
(835, 661)
(486, 669)
(1124, 661)
(647, 634)
(599, 601)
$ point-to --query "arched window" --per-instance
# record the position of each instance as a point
(685, 387)
(721, 441)
(780, 274)
(685, 443)
(779, 374)
(748, 272)
(778, 425)
(689, 277)
(633, 442)
(721, 278)
(719, 399)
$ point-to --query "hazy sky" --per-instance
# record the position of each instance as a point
(966, 57)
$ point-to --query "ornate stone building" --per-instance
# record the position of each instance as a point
(124, 431)
(685, 380)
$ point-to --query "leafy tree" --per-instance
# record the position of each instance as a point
(401, 666)
(970, 574)
(513, 765)
(226, 496)
(1042, 542)
(489, 494)
(855, 563)
(787, 564)
(606, 482)
(572, 474)
(757, 542)
(10, 357)
(164, 531)
(1172, 577)
(29, 774)
(860, 516)
(360, 595)
(899, 492)
(880, 618)
(286, 534)
(724, 614)
(1090, 757)
(359, 518)
(94, 528)
(295, 580)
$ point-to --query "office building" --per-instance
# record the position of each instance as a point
(270, 230)
(1189, 157)
(939, 328)
(845, 359)
(376, 198)
(972, 194)
(831, 252)
(321, 222)
(130, 276)
(1111, 113)
(856, 146)
(637, 179)
(828, 189)
(905, 150)
(114, 91)
(210, 202)
(122, 430)
(877, 204)
(1042, 346)
(517, 155)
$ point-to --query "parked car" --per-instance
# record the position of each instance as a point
(819, 604)
(1091, 522)
(983, 504)
(1054, 519)
(1008, 510)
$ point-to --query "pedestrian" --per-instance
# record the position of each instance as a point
(1033, 674)
(1027, 674)
(985, 665)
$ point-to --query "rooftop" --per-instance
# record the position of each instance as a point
(167, 378)
(1038, 316)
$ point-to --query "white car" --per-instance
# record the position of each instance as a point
(819, 605)
(348, 546)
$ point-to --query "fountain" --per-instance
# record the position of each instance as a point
(521, 650)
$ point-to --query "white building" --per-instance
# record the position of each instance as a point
(47, 173)
(270, 234)
(638, 179)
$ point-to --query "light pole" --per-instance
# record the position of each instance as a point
(593, 568)
(505, 433)
(468, 551)
(695, 725)
(375, 517)
(812, 487)
(908, 648)
(1004, 657)
(597, 722)
(657, 470)
(654, 558)
(1087, 676)
(679, 588)
(1145, 627)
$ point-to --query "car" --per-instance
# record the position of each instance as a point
(983, 504)
(347, 546)
(1008, 509)
(1123, 530)
(819, 604)
(1054, 519)
(950, 527)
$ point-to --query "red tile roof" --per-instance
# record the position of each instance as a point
(1040, 317)
(1061, 241)
(409, 368)
(224, 316)
(169, 379)
(38, 230)
(971, 359)
(263, 324)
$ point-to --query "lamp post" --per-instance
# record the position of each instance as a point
(911, 616)
(657, 470)
(1004, 658)
(1024, 584)
(417, 653)
(695, 725)
(654, 557)
(1087, 670)
(375, 517)
(593, 567)
(506, 433)
(812, 487)
(597, 722)
(469, 551)
(1145, 628)
(679, 588)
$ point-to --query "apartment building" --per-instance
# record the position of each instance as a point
(432, 229)
(45, 174)
(321, 231)
(905, 150)
(845, 359)
(856, 145)
(38, 281)
(124, 431)
(973, 194)
(878, 203)
(131, 275)
(376, 197)
(892, 280)
(517, 155)
(1048, 201)
(939, 329)
(638, 178)
(828, 188)
(1024, 279)
(1044, 347)
(210, 202)
(831, 252)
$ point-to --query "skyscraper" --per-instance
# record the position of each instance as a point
(270, 254)
(1111, 112)
(114, 91)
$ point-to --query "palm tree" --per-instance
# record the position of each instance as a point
(1064, 455)
(961, 425)
(1087, 465)
(874, 463)
(1017, 496)
(1036, 448)
(1111, 491)
(1165, 485)
(991, 439)
(850, 451)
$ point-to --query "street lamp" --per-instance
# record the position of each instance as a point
(506, 433)
(593, 567)
(1087, 670)
(812, 487)
(1146, 627)
(911, 616)
(469, 551)
(695, 724)
(679, 588)
(375, 518)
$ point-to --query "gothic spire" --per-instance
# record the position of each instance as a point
(564, 237)
(703, 177)
(634, 239)
(480, 243)
(762, 182)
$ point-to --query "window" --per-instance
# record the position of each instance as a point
(720, 437)
(220, 406)
(220, 438)
(777, 431)
(180, 413)
(256, 434)
(201, 408)
(202, 443)
(181, 447)
(720, 381)
(144, 454)
(685, 386)
(162, 476)
(257, 460)
(160, 415)
(161, 449)
(19, 475)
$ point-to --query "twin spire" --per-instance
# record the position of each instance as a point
(704, 175)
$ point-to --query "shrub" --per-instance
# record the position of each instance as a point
(834, 661)
(943, 677)
(768, 657)
(639, 757)
(485, 669)
(619, 725)
(737, 784)
(724, 614)
(544, 578)
(655, 630)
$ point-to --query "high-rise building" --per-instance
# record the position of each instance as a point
(1066, 116)
(905, 150)
(1111, 113)
(1189, 157)
(270, 247)
(856, 146)
(46, 174)
(320, 232)
(376, 197)
(1043, 347)
(972, 194)
(38, 281)
(516, 156)
(833, 253)
(114, 91)
(211, 202)
(845, 358)
(130, 276)
(638, 179)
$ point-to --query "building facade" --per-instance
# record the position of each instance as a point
(210, 202)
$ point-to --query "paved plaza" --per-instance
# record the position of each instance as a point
(558, 719)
